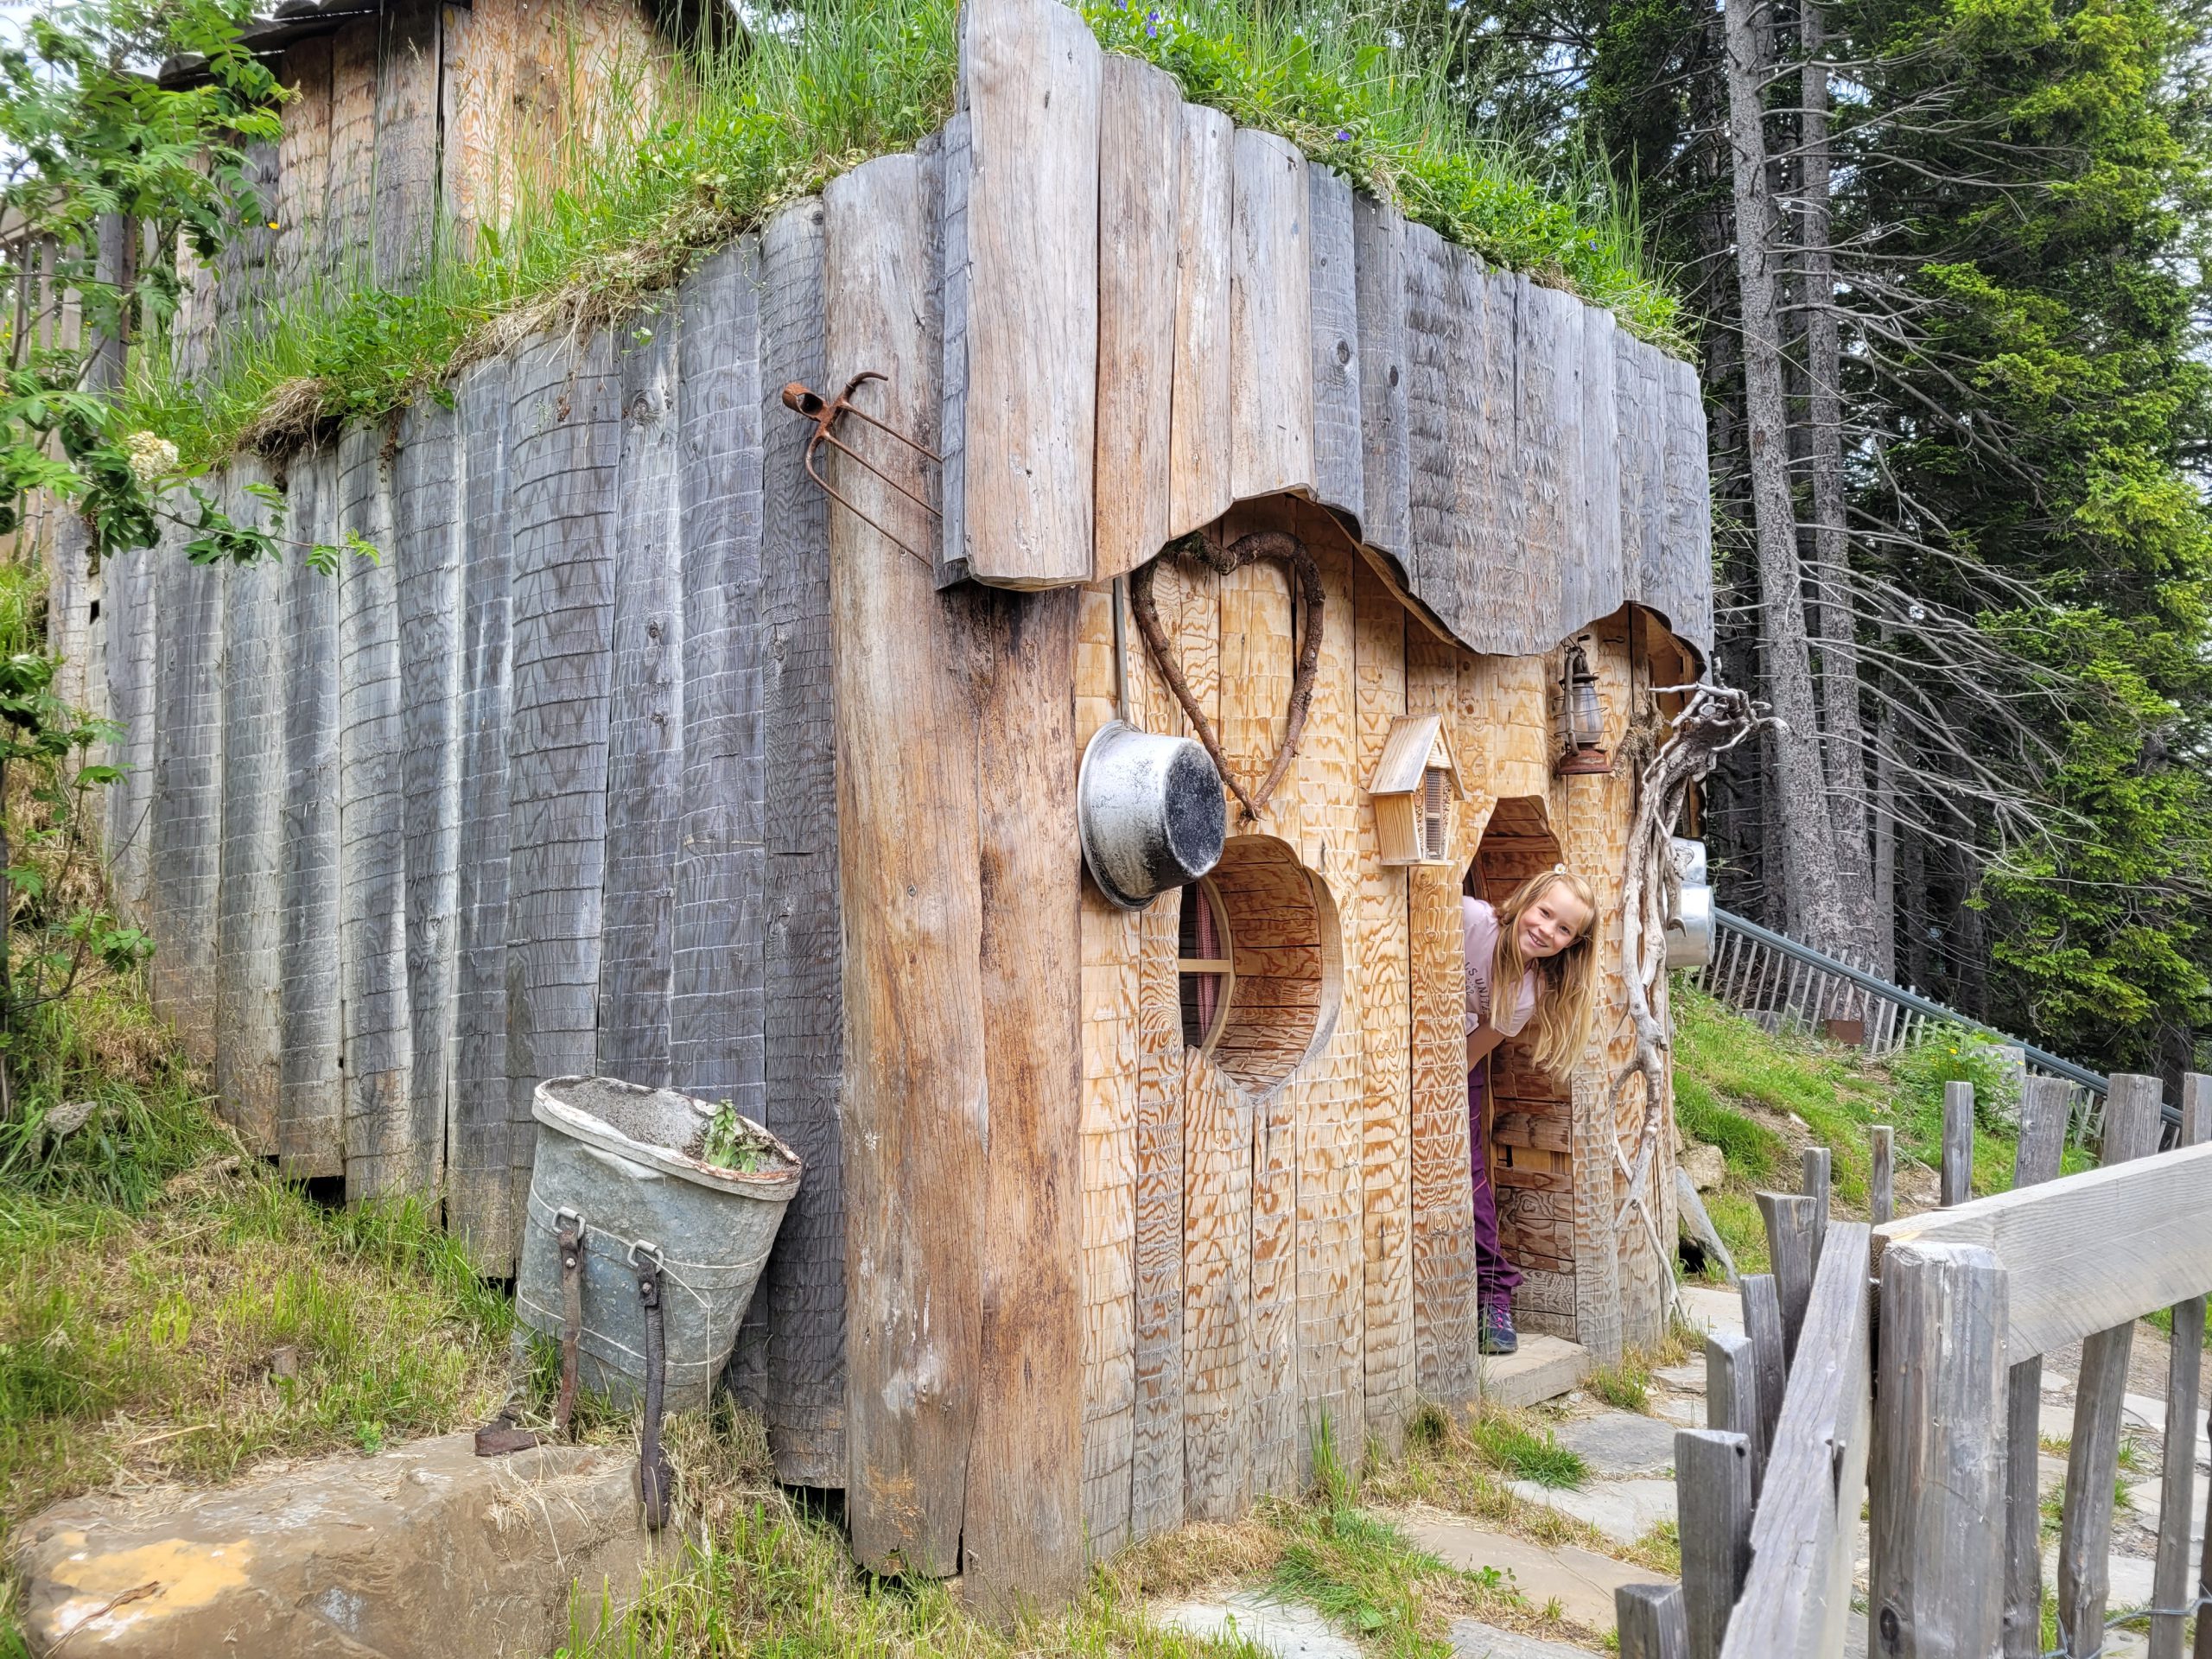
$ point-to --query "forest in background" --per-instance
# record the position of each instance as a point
(1944, 262)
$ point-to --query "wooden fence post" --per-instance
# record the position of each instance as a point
(1789, 1247)
(1881, 1179)
(1762, 1330)
(2045, 1105)
(2132, 1130)
(1938, 1578)
(1958, 1143)
(1651, 1621)
(2178, 1492)
(1732, 1396)
(1712, 1516)
(1817, 1163)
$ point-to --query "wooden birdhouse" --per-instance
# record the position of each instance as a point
(1414, 786)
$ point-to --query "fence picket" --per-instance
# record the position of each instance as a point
(1713, 1517)
(2045, 1103)
(1881, 1177)
(1788, 1218)
(2093, 1460)
(2177, 1491)
(1958, 1143)
(1762, 1330)
(1816, 1166)
(1732, 1396)
(1652, 1623)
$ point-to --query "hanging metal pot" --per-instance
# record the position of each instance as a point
(1151, 812)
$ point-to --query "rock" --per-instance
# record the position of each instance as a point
(1472, 1639)
(1580, 1580)
(1622, 1510)
(1286, 1630)
(1620, 1443)
(423, 1552)
(1706, 1166)
(1688, 1376)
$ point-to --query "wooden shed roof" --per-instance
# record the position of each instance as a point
(1405, 752)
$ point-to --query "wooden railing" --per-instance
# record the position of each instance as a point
(1808, 1413)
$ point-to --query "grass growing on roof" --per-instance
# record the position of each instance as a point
(745, 131)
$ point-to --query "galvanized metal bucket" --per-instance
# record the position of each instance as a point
(621, 1160)
(1150, 810)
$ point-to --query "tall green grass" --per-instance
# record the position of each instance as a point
(745, 128)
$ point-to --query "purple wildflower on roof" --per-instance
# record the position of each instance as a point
(1152, 24)
(1344, 134)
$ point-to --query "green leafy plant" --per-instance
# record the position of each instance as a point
(730, 1142)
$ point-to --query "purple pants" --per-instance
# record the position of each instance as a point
(1496, 1277)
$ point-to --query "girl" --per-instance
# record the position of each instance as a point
(1528, 958)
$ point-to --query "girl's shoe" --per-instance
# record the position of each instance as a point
(1496, 1334)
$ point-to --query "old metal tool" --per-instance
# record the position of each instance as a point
(811, 405)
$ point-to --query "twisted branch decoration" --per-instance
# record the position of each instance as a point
(1249, 549)
(1714, 720)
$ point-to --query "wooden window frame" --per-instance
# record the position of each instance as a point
(1223, 967)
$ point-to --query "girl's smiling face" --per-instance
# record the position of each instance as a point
(1554, 919)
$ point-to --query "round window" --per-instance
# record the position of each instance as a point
(1258, 963)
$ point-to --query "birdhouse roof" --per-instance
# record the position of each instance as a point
(1415, 744)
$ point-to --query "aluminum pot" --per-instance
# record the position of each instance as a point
(1151, 811)
(1689, 930)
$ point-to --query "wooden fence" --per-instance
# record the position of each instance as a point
(1934, 1422)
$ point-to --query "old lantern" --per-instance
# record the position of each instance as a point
(1581, 717)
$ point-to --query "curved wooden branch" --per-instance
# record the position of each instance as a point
(1248, 549)
(1716, 719)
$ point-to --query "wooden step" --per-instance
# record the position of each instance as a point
(1544, 1369)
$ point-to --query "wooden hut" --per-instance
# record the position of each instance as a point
(638, 754)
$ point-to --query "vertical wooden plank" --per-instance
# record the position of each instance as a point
(406, 140)
(1763, 1329)
(1378, 242)
(1329, 1103)
(1258, 668)
(647, 715)
(1789, 1247)
(1881, 1179)
(2045, 1104)
(1271, 1367)
(1156, 1475)
(1638, 405)
(481, 1154)
(1270, 320)
(1815, 1163)
(716, 966)
(310, 1121)
(382, 1153)
(1600, 1316)
(1604, 585)
(1198, 490)
(1022, 1534)
(1217, 1141)
(427, 527)
(1339, 460)
(1684, 597)
(563, 442)
(1712, 1503)
(1652, 1620)
(956, 294)
(1443, 1248)
(185, 816)
(303, 162)
(803, 1292)
(130, 615)
(915, 1089)
(1139, 149)
(1732, 1396)
(1131, 1226)
(1958, 1143)
(249, 1038)
(1030, 267)
(348, 229)
(2132, 1130)
(1937, 1573)
(1541, 593)
(2177, 1483)
(1383, 956)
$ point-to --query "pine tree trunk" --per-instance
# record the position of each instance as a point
(1885, 848)
(1808, 846)
(1843, 731)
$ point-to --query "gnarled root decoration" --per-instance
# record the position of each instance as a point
(1714, 720)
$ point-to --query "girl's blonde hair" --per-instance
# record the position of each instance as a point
(1566, 983)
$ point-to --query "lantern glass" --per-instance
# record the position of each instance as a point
(1589, 719)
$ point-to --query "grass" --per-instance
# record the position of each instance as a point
(169, 1309)
(759, 1574)
(663, 175)
(1734, 1079)
(1527, 1453)
(1626, 1386)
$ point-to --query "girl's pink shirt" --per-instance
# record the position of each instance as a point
(1478, 933)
